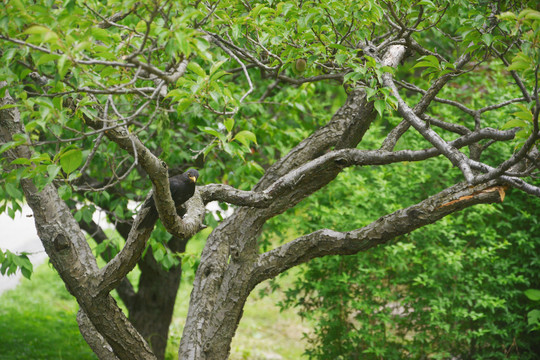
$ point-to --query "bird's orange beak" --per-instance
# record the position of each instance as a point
(193, 178)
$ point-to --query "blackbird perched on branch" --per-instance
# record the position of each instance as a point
(182, 188)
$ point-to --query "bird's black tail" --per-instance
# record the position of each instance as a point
(151, 216)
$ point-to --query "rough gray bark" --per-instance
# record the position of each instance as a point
(94, 339)
(230, 264)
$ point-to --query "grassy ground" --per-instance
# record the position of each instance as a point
(37, 321)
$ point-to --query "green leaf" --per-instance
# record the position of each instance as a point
(514, 123)
(183, 105)
(13, 191)
(245, 137)
(380, 105)
(518, 65)
(50, 37)
(8, 106)
(45, 58)
(529, 14)
(508, 15)
(65, 193)
(520, 62)
(27, 272)
(219, 75)
(429, 61)
(229, 124)
(211, 131)
(209, 148)
(71, 160)
(175, 93)
(525, 114)
(487, 39)
(533, 318)
(159, 254)
(523, 134)
(52, 170)
(12, 144)
(100, 34)
(197, 69)
(36, 29)
(183, 43)
(216, 66)
(63, 65)
(533, 294)
(21, 161)
(23, 263)
(256, 10)
(341, 58)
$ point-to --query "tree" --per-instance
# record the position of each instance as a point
(100, 96)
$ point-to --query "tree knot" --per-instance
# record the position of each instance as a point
(61, 242)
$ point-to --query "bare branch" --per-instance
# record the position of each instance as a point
(460, 106)
(500, 105)
(456, 157)
(511, 180)
(226, 193)
(455, 128)
(429, 95)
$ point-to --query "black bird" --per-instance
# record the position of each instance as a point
(182, 188)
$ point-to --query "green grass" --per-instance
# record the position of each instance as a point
(38, 321)
(266, 333)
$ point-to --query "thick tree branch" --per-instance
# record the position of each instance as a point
(336, 160)
(125, 288)
(157, 171)
(116, 269)
(510, 180)
(94, 339)
(231, 195)
(329, 242)
(346, 128)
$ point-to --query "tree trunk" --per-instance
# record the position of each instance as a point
(152, 310)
